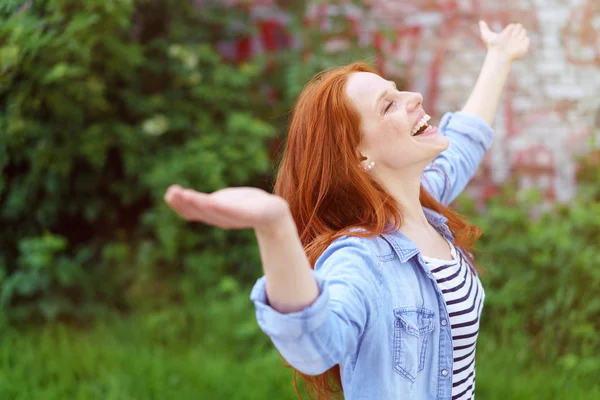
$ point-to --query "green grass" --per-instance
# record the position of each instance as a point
(118, 361)
(173, 355)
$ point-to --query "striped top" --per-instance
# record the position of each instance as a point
(464, 295)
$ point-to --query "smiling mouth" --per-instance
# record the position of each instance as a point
(421, 126)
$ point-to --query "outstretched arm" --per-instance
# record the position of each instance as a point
(290, 283)
(469, 131)
(503, 48)
(314, 319)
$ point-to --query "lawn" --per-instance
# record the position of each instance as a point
(171, 354)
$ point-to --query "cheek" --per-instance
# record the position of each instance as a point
(399, 123)
(386, 135)
(398, 129)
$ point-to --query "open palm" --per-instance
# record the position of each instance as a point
(512, 41)
(230, 208)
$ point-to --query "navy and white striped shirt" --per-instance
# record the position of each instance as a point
(464, 295)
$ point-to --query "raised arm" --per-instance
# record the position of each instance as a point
(469, 131)
(503, 48)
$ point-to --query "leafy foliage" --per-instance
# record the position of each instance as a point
(98, 117)
(103, 105)
(542, 276)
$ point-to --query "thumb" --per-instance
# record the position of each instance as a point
(483, 27)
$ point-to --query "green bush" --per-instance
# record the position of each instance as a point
(541, 274)
(103, 105)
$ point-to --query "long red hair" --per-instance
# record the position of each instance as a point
(328, 192)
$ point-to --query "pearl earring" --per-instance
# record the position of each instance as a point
(369, 166)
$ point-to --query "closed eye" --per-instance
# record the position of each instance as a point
(388, 107)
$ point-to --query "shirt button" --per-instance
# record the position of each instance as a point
(445, 372)
(444, 322)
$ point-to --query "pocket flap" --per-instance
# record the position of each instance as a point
(416, 320)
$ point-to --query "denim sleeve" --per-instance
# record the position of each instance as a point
(470, 137)
(315, 339)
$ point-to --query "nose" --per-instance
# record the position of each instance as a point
(414, 101)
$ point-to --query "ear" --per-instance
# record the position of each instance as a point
(365, 162)
(361, 157)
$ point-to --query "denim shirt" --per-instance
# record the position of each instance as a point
(379, 314)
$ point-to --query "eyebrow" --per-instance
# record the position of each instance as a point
(384, 94)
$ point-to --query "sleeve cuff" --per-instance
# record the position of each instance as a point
(468, 124)
(291, 325)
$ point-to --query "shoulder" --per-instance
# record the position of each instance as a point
(356, 254)
(372, 249)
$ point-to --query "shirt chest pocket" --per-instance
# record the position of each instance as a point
(412, 331)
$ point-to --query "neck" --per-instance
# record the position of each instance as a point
(405, 187)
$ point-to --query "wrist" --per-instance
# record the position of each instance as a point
(278, 227)
(499, 56)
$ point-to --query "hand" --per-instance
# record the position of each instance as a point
(231, 208)
(512, 41)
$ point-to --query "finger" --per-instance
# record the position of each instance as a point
(518, 30)
(522, 34)
(197, 199)
(181, 204)
(206, 204)
(201, 207)
(483, 27)
(170, 192)
(209, 203)
(176, 202)
(172, 196)
(176, 199)
(185, 199)
(192, 203)
(510, 29)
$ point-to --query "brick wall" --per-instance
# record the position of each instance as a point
(551, 106)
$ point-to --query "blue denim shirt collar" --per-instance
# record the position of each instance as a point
(405, 248)
(434, 218)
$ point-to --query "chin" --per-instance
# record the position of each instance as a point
(439, 142)
(444, 142)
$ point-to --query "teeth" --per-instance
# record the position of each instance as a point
(420, 124)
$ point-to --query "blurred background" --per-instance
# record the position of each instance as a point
(106, 294)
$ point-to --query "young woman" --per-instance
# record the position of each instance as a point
(369, 282)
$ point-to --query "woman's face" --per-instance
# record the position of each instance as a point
(389, 122)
